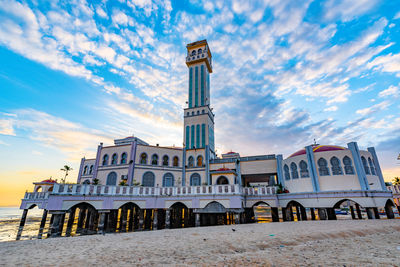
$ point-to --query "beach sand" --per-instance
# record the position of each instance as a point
(315, 243)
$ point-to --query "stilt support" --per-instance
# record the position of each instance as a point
(42, 224)
(275, 214)
(22, 223)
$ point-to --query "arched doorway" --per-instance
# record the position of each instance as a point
(83, 219)
(126, 218)
(195, 179)
(181, 216)
(389, 209)
(295, 212)
(262, 212)
(111, 178)
(148, 179)
(348, 209)
(222, 180)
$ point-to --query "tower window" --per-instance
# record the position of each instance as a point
(202, 112)
(348, 168)
(303, 169)
(154, 159)
(293, 168)
(323, 167)
(193, 52)
(105, 160)
(187, 114)
(286, 171)
(191, 161)
(165, 161)
(364, 162)
(176, 161)
(336, 168)
(192, 113)
(199, 51)
(198, 112)
(199, 161)
(123, 158)
(114, 159)
(143, 158)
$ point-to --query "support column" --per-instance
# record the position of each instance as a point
(167, 219)
(370, 213)
(303, 214)
(298, 213)
(141, 219)
(197, 223)
(358, 211)
(42, 224)
(237, 218)
(275, 214)
(289, 212)
(101, 228)
(284, 215)
(56, 225)
(60, 229)
(51, 222)
(376, 213)
(155, 219)
(87, 222)
(322, 214)
(389, 212)
(122, 223)
(353, 215)
(70, 222)
(81, 218)
(22, 224)
(312, 211)
(131, 220)
(331, 214)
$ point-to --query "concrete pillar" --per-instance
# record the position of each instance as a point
(376, 213)
(370, 213)
(237, 218)
(122, 223)
(289, 214)
(322, 214)
(70, 222)
(312, 211)
(275, 214)
(56, 225)
(197, 220)
(51, 222)
(81, 218)
(131, 219)
(398, 209)
(22, 224)
(298, 213)
(62, 219)
(303, 213)
(331, 213)
(358, 211)
(284, 215)
(101, 228)
(155, 219)
(42, 224)
(167, 219)
(141, 219)
(93, 222)
(389, 212)
(87, 222)
(353, 215)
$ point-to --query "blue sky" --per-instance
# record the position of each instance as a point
(76, 73)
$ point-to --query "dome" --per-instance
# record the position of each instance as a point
(223, 169)
(317, 148)
(49, 181)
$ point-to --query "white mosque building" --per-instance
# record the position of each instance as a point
(132, 185)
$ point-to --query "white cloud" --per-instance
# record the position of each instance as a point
(392, 91)
(397, 16)
(120, 18)
(331, 108)
(373, 109)
(6, 126)
(387, 63)
(347, 10)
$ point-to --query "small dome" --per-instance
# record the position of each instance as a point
(223, 169)
(49, 181)
(317, 148)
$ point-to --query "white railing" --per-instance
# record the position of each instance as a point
(98, 190)
(394, 188)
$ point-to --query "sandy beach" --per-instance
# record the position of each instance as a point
(316, 243)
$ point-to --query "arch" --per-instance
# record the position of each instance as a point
(111, 178)
(200, 51)
(294, 172)
(348, 165)
(87, 181)
(323, 167)
(304, 169)
(91, 169)
(179, 217)
(286, 172)
(259, 203)
(178, 204)
(148, 179)
(105, 160)
(214, 207)
(85, 170)
(165, 160)
(200, 161)
(124, 157)
(175, 161)
(114, 159)
(38, 189)
(154, 159)
(81, 205)
(222, 180)
(364, 162)
(129, 205)
(195, 179)
(371, 166)
(294, 203)
(191, 161)
(168, 180)
(336, 168)
(50, 189)
(340, 202)
(143, 158)
(33, 206)
(193, 52)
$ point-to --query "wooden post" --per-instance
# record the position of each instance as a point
(353, 215)
(322, 214)
(389, 212)
(275, 214)
(358, 211)
(376, 213)
(167, 219)
(155, 219)
(42, 224)
(22, 224)
(70, 222)
(303, 213)
(312, 211)
(370, 213)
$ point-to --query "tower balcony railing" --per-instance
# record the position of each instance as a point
(197, 57)
(139, 191)
(394, 188)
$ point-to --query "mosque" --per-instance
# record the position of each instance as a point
(133, 186)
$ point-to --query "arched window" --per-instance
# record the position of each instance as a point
(165, 160)
(193, 52)
(85, 170)
(124, 157)
(195, 179)
(105, 160)
(143, 158)
(286, 171)
(168, 179)
(365, 164)
(114, 159)
(191, 161)
(348, 168)
(323, 167)
(154, 159)
(176, 161)
(112, 178)
(293, 169)
(91, 169)
(336, 168)
(371, 166)
(222, 180)
(199, 51)
(200, 161)
(148, 179)
(87, 181)
(303, 169)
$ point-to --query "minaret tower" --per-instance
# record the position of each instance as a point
(198, 116)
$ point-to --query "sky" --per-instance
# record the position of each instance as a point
(77, 73)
